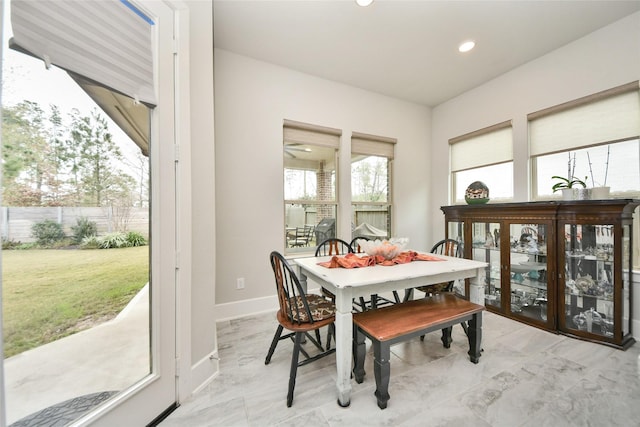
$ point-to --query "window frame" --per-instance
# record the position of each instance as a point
(537, 149)
(318, 136)
(480, 137)
(378, 146)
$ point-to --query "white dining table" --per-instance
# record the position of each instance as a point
(349, 283)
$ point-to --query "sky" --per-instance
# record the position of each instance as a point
(26, 78)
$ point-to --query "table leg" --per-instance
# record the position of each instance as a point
(344, 336)
(303, 279)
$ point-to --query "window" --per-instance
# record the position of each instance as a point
(596, 137)
(310, 184)
(484, 155)
(371, 159)
(593, 138)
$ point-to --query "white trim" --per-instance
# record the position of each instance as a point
(237, 309)
(204, 371)
(635, 304)
(248, 307)
(183, 205)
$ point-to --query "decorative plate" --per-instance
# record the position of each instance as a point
(477, 193)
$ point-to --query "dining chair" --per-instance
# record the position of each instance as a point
(448, 247)
(329, 247)
(300, 313)
(376, 300)
(301, 237)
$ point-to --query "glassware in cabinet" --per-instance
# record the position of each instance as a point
(589, 278)
(485, 238)
(528, 281)
(455, 230)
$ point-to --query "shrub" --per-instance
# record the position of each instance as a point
(47, 232)
(113, 240)
(136, 239)
(83, 228)
(10, 243)
(90, 242)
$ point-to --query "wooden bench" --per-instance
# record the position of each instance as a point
(390, 325)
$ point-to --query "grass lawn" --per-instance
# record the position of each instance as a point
(49, 294)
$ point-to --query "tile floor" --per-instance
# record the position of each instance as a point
(525, 377)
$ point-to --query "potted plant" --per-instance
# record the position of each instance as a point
(600, 192)
(567, 184)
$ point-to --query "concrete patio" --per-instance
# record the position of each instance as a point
(107, 357)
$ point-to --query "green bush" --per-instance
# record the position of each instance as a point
(90, 242)
(10, 243)
(136, 239)
(83, 228)
(113, 240)
(47, 232)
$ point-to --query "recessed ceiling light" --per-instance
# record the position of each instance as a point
(364, 3)
(466, 46)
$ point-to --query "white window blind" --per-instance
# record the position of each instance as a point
(303, 133)
(372, 145)
(484, 147)
(107, 41)
(609, 116)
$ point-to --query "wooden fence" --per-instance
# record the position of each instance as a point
(16, 222)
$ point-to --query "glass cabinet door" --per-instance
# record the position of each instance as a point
(485, 238)
(455, 230)
(589, 279)
(528, 283)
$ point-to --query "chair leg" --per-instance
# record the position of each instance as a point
(294, 368)
(396, 297)
(274, 343)
(330, 332)
(465, 327)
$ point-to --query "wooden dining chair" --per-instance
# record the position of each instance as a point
(376, 300)
(329, 247)
(300, 313)
(448, 247)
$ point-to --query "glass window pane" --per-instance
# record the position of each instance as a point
(614, 165)
(372, 221)
(369, 179)
(306, 225)
(309, 172)
(498, 178)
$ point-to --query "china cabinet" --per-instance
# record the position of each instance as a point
(561, 266)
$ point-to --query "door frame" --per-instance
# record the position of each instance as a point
(170, 234)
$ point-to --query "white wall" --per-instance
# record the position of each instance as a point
(252, 98)
(203, 247)
(601, 60)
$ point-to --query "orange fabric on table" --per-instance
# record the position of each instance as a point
(355, 261)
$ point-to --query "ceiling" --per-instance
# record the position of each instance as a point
(407, 49)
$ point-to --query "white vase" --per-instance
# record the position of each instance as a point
(567, 194)
(582, 194)
(599, 193)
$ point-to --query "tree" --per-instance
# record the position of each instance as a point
(369, 179)
(97, 179)
(26, 154)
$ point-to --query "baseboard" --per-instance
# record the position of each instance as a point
(204, 371)
(236, 309)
